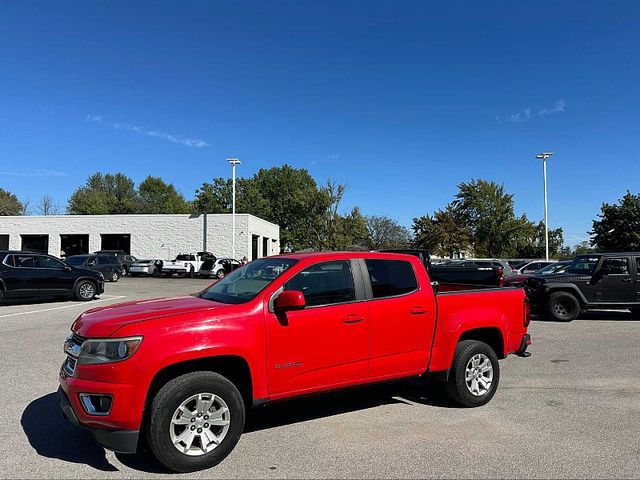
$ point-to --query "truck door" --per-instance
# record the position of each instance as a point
(326, 343)
(402, 319)
(616, 282)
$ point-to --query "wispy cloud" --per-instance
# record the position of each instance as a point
(94, 118)
(527, 114)
(33, 173)
(182, 140)
(333, 156)
(557, 107)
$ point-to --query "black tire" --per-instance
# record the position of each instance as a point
(114, 277)
(168, 274)
(457, 387)
(154, 272)
(125, 272)
(85, 290)
(170, 397)
(1, 294)
(563, 307)
(220, 275)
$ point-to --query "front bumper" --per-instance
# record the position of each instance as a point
(122, 441)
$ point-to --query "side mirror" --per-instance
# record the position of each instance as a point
(289, 300)
(67, 268)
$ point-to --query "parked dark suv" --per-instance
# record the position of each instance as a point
(125, 259)
(108, 265)
(28, 274)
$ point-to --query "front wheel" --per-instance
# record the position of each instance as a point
(563, 307)
(195, 422)
(85, 290)
(220, 274)
(474, 375)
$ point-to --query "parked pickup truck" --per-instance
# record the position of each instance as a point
(180, 372)
(593, 281)
(488, 272)
(184, 264)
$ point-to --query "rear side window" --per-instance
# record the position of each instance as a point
(25, 261)
(325, 283)
(391, 277)
(616, 266)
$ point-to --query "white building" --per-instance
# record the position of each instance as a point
(145, 236)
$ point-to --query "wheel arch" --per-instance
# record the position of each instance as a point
(235, 368)
(567, 288)
(492, 336)
(79, 279)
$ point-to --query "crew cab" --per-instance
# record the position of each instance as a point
(180, 372)
(488, 272)
(185, 264)
(590, 282)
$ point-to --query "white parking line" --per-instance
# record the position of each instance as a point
(83, 304)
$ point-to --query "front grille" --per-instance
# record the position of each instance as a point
(69, 366)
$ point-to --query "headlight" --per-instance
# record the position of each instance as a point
(108, 350)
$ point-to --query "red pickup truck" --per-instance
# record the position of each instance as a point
(179, 373)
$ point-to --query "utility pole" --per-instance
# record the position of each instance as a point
(233, 162)
(544, 157)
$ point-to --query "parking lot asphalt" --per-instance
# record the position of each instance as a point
(570, 410)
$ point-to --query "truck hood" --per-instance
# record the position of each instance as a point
(102, 322)
(563, 277)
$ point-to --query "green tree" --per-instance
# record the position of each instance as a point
(444, 234)
(156, 196)
(217, 197)
(618, 227)
(9, 204)
(355, 235)
(103, 195)
(384, 232)
(531, 243)
(488, 212)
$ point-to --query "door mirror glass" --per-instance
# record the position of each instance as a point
(289, 300)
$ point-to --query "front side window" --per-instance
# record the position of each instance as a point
(584, 265)
(616, 266)
(390, 278)
(243, 284)
(325, 283)
(48, 262)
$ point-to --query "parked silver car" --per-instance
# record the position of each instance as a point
(151, 267)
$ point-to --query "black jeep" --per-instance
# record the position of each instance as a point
(590, 282)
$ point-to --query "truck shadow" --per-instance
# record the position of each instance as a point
(52, 436)
(310, 408)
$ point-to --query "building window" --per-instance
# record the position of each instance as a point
(4, 242)
(35, 243)
(265, 247)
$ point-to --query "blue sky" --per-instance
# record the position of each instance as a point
(400, 100)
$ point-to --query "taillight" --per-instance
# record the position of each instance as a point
(500, 274)
(526, 319)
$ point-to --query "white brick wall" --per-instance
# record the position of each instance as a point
(161, 236)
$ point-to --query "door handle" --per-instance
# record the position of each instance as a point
(627, 280)
(352, 318)
(417, 310)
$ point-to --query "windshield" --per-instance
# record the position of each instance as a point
(75, 260)
(244, 284)
(185, 258)
(583, 265)
(553, 268)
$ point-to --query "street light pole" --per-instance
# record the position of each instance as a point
(233, 162)
(544, 157)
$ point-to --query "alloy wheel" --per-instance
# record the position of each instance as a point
(479, 374)
(199, 424)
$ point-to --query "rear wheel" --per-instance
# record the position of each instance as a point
(474, 375)
(220, 274)
(563, 307)
(114, 277)
(85, 290)
(195, 422)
